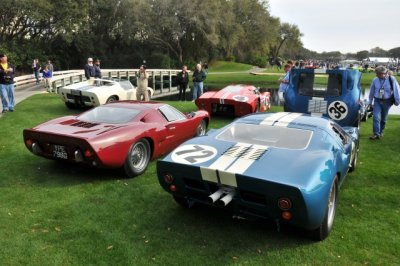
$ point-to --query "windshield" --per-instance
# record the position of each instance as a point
(108, 114)
(272, 136)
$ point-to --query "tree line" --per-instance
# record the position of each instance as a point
(161, 33)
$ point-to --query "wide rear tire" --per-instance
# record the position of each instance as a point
(327, 224)
(138, 158)
(111, 99)
(201, 129)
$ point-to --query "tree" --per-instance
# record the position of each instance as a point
(395, 53)
(361, 55)
(288, 33)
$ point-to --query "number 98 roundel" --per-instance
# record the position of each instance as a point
(337, 110)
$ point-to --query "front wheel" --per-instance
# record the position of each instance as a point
(138, 158)
(201, 129)
(326, 227)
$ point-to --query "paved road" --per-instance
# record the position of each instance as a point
(23, 92)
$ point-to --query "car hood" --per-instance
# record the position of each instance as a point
(299, 168)
(225, 95)
(70, 126)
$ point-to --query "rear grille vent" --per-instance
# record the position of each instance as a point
(84, 124)
(244, 152)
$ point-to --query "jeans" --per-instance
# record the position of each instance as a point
(37, 76)
(7, 91)
(197, 90)
(381, 111)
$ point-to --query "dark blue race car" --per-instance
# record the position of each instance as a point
(283, 166)
(333, 93)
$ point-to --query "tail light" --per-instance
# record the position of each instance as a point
(29, 143)
(88, 154)
(172, 188)
(168, 178)
(286, 215)
(284, 204)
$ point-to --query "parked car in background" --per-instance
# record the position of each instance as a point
(121, 134)
(235, 100)
(287, 167)
(333, 93)
(94, 92)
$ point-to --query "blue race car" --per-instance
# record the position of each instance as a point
(282, 166)
(331, 93)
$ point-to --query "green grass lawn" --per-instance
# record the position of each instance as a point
(60, 214)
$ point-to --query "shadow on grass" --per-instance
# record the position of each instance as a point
(57, 173)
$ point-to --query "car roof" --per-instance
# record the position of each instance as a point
(284, 119)
(138, 105)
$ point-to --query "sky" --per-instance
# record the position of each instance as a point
(347, 26)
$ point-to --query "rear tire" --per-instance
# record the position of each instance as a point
(354, 161)
(327, 224)
(111, 99)
(138, 158)
(201, 129)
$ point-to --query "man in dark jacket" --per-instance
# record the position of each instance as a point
(183, 80)
(7, 74)
(198, 77)
(89, 69)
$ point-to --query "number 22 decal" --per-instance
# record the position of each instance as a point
(193, 154)
(337, 110)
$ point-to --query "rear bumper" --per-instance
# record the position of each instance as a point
(252, 196)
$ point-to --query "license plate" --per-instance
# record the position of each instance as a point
(60, 152)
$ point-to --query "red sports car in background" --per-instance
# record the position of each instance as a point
(120, 134)
(237, 100)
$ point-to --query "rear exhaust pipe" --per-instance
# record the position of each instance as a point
(215, 196)
(224, 201)
(36, 148)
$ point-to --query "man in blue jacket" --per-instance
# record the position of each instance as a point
(383, 94)
(7, 74)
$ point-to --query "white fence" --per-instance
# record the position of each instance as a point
(160, 79)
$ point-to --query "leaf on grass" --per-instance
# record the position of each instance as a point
(45, 231)
(234, 258)
(146, 241)
(58, 229)
(125, 184)
(259, 251)
(110, 247)
(9, 213)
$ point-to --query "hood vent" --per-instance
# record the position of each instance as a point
(84, 124)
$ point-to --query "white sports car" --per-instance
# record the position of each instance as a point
(95, 92)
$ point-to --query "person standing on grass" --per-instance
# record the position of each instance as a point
(198, 77)
(284, 82)
(48, 74)
(142, 83)
(183, 80)
(7, 74)
(383, 94)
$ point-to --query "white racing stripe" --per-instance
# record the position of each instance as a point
(270, 120)
(235, 161)
(224, 96)
(285, 121)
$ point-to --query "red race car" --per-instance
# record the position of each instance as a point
(120, 134)
(237, 100)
